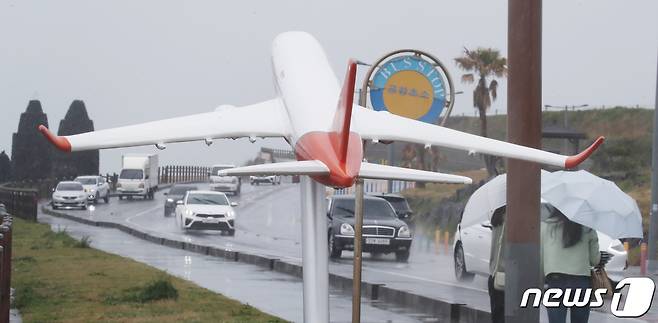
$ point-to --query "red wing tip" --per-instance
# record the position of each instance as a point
(575, 160)
(60, 142)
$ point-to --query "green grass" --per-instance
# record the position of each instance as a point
(61, 279)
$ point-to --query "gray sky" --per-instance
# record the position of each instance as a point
(136, 61)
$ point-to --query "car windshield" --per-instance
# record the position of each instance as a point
(69, 187)
(131, 174)
(399, 203)
(207, 199)
(181, 190)
(86, 180)
(372, 209)
(216, 169)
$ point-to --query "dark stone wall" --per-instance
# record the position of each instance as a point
(31, 153)
(67, 165)
(5, 167)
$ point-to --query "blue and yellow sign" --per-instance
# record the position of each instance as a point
(409, 86)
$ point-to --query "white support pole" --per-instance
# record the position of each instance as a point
(315, 251)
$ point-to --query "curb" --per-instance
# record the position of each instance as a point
(455, 313)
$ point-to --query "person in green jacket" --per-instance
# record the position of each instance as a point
(497, 296)
(568, 252)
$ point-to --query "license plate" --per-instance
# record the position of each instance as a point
(210, 220)
(380, 241)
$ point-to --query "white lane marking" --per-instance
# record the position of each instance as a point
(129, 219)
(426, 279)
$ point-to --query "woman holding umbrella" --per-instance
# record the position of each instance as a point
(569, 251)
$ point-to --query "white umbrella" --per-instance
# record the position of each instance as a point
(594, 202)
(486, 199)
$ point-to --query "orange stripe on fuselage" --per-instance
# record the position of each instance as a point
(319, 145)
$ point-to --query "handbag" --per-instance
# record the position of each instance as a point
(499, 276)
(600, 280)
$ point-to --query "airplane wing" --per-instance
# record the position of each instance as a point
(265, 119)
(373, 125)
(376, 171)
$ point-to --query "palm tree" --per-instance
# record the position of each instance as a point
(483, 63)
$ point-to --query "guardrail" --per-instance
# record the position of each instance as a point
(20, 202)
(5, 267)
(176, 174)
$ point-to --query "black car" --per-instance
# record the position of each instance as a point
(399, 203)
(176, 193)
(382, 231)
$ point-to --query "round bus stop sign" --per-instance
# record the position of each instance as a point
(409, 86)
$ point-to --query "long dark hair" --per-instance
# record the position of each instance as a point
(572, 232)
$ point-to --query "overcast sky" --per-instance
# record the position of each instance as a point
(136, 61)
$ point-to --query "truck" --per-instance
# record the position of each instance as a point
(138, 177)
(226, 184)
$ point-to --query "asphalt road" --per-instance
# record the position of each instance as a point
(268, 223)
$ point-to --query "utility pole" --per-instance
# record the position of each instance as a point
(523, 178)
(653, 212)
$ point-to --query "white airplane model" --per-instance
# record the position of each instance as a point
(325, 129)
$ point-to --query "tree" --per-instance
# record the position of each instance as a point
(5, 167)
(69, 165)
(483, 63)
(31, 154)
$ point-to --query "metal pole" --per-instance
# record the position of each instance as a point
(653, 228)
(315, 251)
(358, 226)
(523, 178)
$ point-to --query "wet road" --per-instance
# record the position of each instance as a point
(268, 223)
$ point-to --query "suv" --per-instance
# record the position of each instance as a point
(218, 183)
(176, 193)
(399, 203)
(271, 179)
(382, 231)
(96, 188)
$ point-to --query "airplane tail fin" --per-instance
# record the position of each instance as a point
(306, 167)
(343, 117)
(376, 171)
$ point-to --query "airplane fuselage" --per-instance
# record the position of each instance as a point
(309, 91)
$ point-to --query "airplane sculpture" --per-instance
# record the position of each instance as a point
(325, 128)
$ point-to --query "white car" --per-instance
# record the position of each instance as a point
(69, 194)
(231, 184)
(206, 210)
(271, 179)
(472, 249)
(96, 188)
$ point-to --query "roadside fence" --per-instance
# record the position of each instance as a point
(20, 202)
(5, 267)
(176, 174)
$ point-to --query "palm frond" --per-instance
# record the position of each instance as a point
(493, 88)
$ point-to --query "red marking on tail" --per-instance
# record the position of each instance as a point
(343, 117)
(575, 160)
(60, 142)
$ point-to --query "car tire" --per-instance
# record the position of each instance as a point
(334, 251)
(106, 199)
(230, 232)
(85, 207)
(402, 255)
(166, 212)
(55, 208)
(461, 274)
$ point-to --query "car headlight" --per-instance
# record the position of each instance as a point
(141, 185)
(170, 200)
(346, 229)
(189, 213)
(230, 214)
(404, 232)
